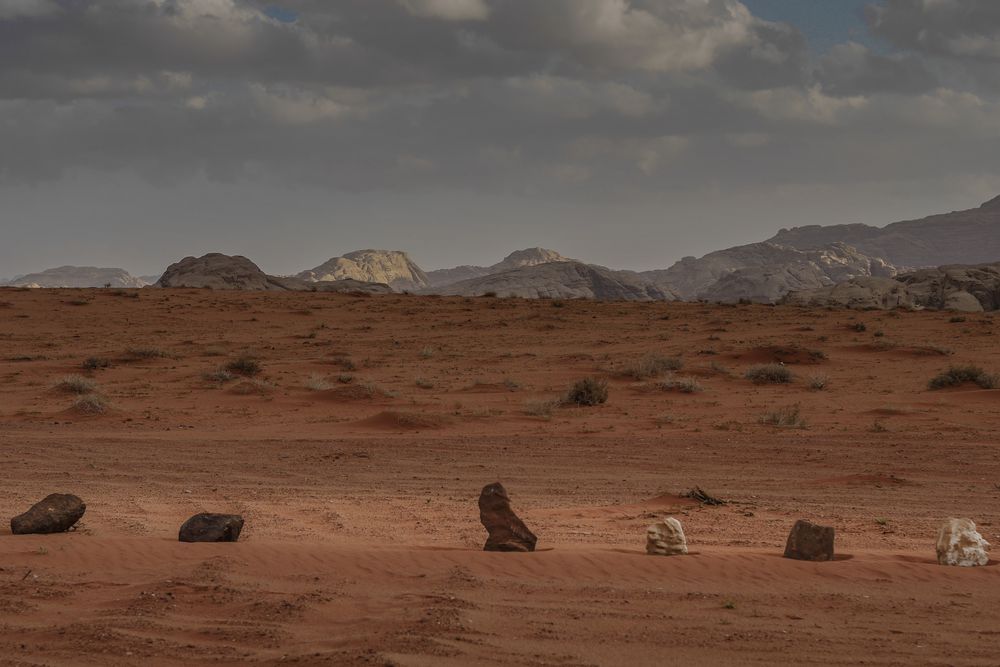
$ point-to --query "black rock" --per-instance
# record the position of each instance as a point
(808, 541)
(211, 528)
(507, 531)
(56, 514)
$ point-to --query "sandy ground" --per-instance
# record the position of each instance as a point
(358, 453)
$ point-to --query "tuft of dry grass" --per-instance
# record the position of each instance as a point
(141, 352)
(959, 375)
(683, 385)
(220, 376)
(541, 408)
(96, 363)
(91, 404)
(76, 384)
(245, 366)
(317, 382)
(768, 374)
(588, 392)
(650, 365)
(786, 417)
(818, 382)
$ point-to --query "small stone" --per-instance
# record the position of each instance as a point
(211, 528)
(809, 541)
(507, 531)
(57, 513)
(666, 538)
(960, 544)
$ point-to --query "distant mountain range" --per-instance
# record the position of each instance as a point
(808, 263)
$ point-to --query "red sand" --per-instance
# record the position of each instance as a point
(362, 543)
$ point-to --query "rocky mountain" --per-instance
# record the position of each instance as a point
(970, 288)
(960, 237)
(78, 276)
(559, 280)
(391, 267)
(515, 260)
(764, 272)
(226, 272)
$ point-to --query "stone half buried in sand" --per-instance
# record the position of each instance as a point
(211, 528)
(809, 541)
(507, 531)
(666, 538)
(960, 544)
(57, 513)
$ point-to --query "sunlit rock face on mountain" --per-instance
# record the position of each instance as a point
(392, 267)
(79, 276)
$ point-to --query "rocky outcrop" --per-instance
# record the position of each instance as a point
(390, 267)
(208, 527)
(666, 538)
(235, 272)
(78, 277)
(506, 531)
(764, 272)
(960, 237)
(809, 541)
(560, 280)
(962, 288)
(515, 260)
(57, 513)
(961, 545)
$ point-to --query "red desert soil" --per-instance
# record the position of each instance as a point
(358, 452)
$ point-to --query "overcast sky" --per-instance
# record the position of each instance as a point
(624, 132)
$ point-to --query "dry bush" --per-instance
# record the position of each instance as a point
(541, 408)
(651, 365)
(424, 383)
(76, 384)
(818, 382)
(683, 385)
(220, 376)
(958, 375)
(588, 391)
(245, 366)
(768, 374)
(96, 363)
(787, 417)
(317, 382)
(91, 404)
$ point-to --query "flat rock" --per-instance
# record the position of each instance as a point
(209, 527)
(507, 531)
(961, 545)
(809, 541)
(666, 538)
(57, 513)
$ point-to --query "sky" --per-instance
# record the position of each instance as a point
(628, 133)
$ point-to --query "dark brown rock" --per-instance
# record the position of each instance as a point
(211, 528)
(809, 541)
(507, 531)
(57, 513)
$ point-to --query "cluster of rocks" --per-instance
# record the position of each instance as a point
(958, 542)
(60, 512)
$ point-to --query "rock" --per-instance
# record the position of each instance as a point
(391, 267)
(809, 541)
(666, 538)
(78, 277)
(507, 531)
(515, 260)
(211, 528)
(56, 514)
(960, 544)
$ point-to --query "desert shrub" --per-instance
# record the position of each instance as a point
(651, 365)
(588, 391)
(859, 327)
(220, 375)
(145, 352)
(246, 366)
(317, 382)
(768, 374)
(76, 384)
(511, 384)
(96, 363)
(345, 378)
(787, 417)
(427, 353)
(424, 383)
(542, 408)
(345, 363)
(818, 382)
(958, 375)
(683, 385)
(91, 404)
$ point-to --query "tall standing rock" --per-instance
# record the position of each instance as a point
(809, 541)
(211, 528)
(507, 531)
(960, 544)
(666, 538)
(57, 513)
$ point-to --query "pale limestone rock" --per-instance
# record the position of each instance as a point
(666, 538)
(960, 544)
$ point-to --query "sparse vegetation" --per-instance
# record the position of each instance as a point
(345, 378)
(91, 404)
(768, 374)
(144, 352)
(427, 352)
(683, 385)
(542, 408)
(859, 327)
(317, 382)
(96, 363)
(511, 384)
(959, 375)
(818, 382)
(221, 376)
(423, 383)
(588, 391)
(345, 363)
(245, 366)
(76, 384)
(786, 417)
(651, 365)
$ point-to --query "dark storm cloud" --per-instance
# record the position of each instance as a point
(952, 28)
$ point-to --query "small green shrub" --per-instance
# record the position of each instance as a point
(768, 374)
(958, 375)
(588, 391)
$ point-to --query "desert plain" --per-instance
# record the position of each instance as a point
(357, 451)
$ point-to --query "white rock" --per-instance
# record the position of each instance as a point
(666, 538)
(959, 543)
